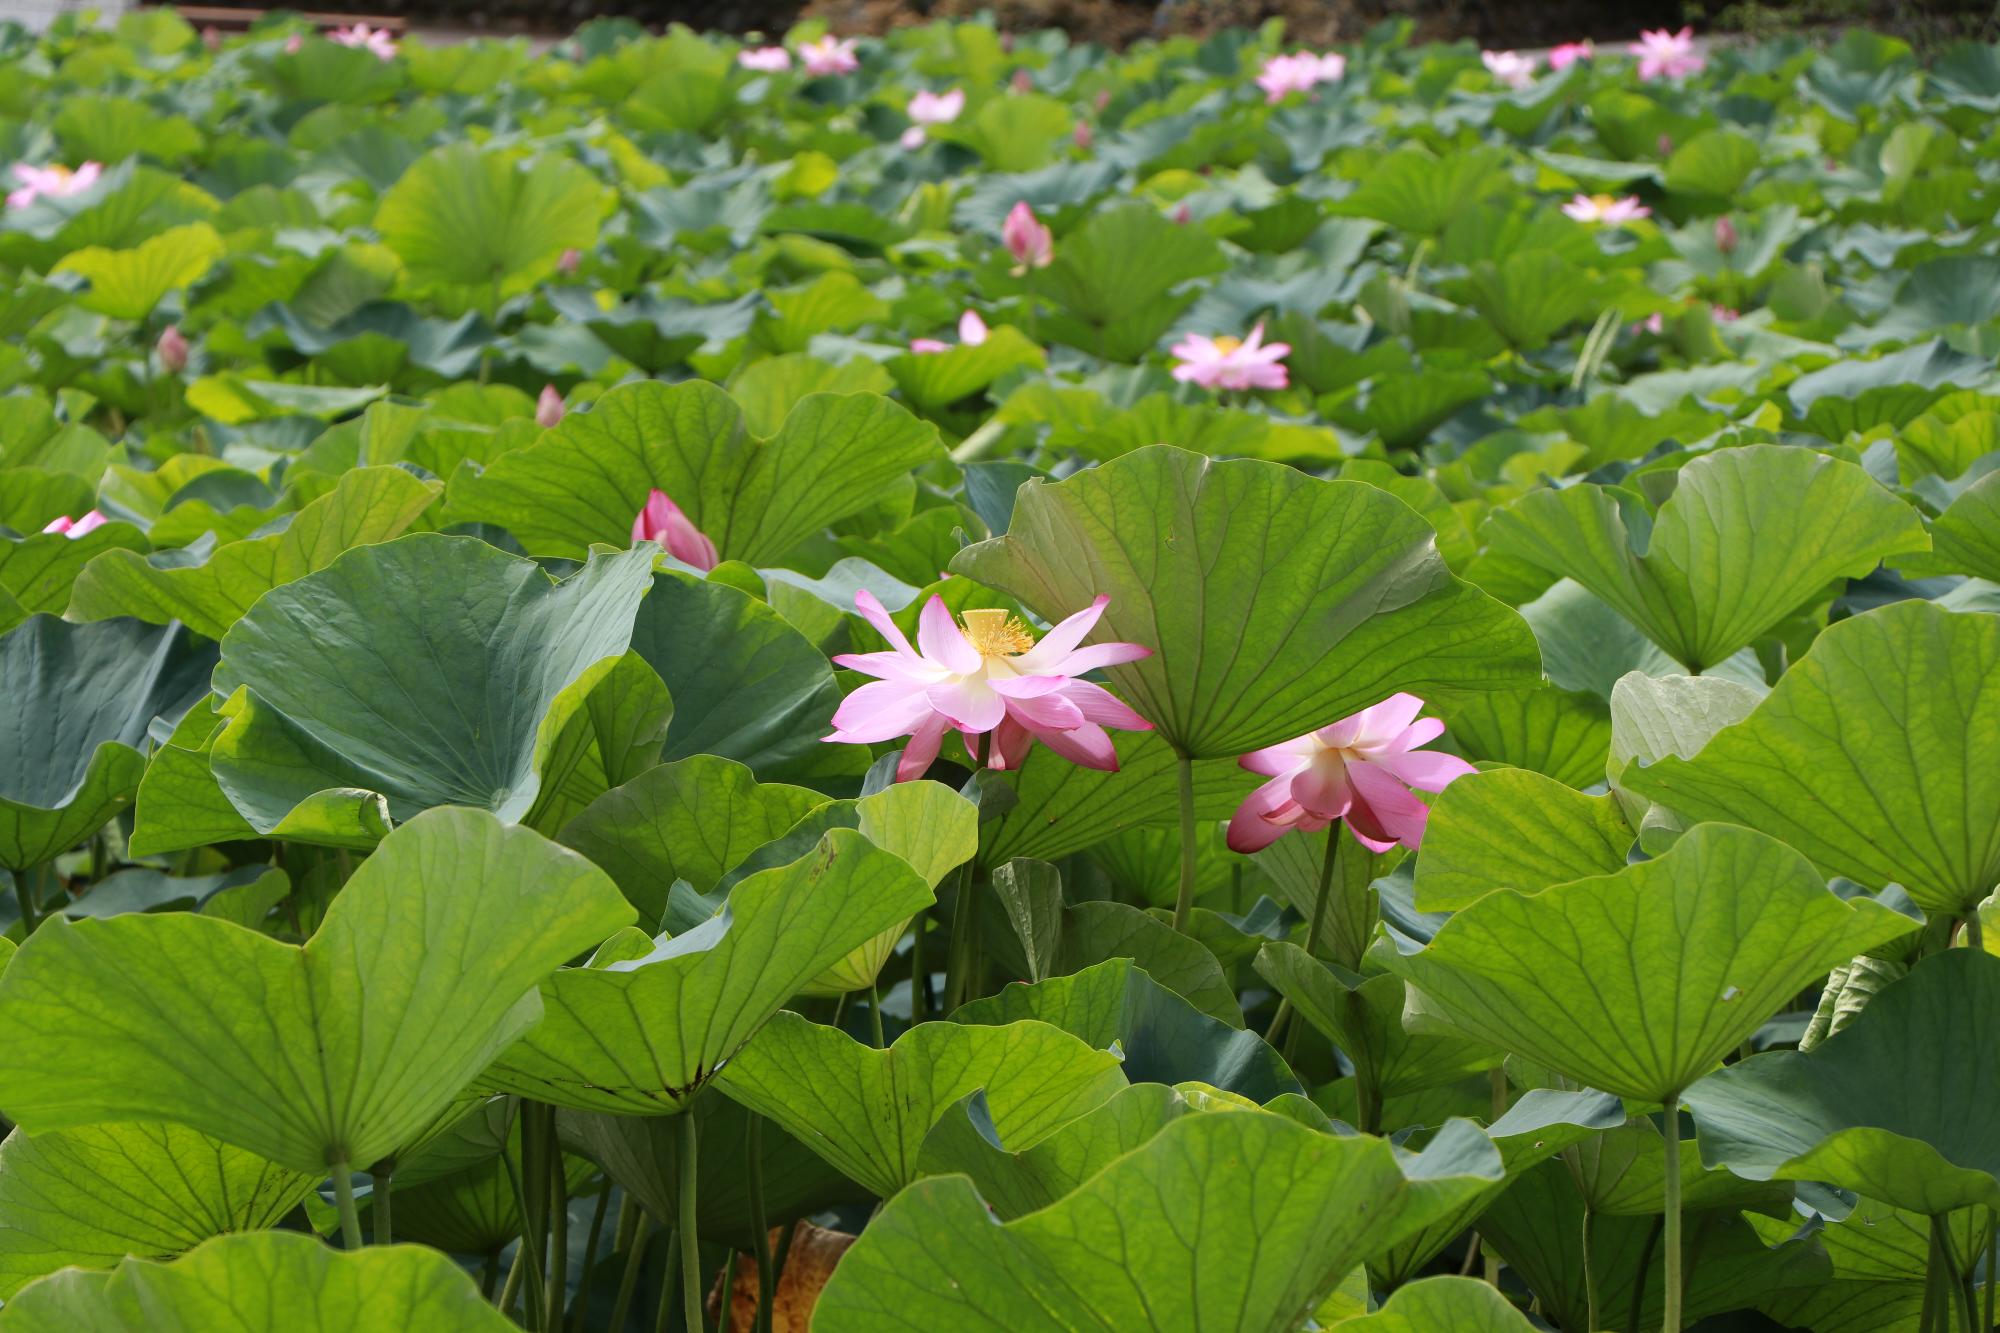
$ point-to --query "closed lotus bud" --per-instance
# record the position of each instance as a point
(173, 349)
(1083, 136)
(1183, 214)
(1103, 98)
(1726, 239)
(549, 407)
(1666, 145)
(569, 260)
(1022, 83)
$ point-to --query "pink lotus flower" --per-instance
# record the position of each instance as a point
(1022, 82)
(1083, 136)
(567, 261)
(90, 522)
(1182, 214)
(971, 332)
(929, 108)
(986, 676)
(1031, 243)
(1568, 53)
(377, 40)
(172, 349)
(1667, 55)
(1231, 363)
(1359, 769)
(549, 411)
(662, 521)
(1653, 323)
(1299, 72)
(1603, 208)
(1726, 239)
(294, 43)
(829, 55)
(765, 59)
(1724, 314)
(1509, 67)
(54, 181)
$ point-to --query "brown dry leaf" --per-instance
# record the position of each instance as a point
(814, 1252)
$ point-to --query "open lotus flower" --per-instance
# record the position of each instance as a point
(74, 528)
(1603, 208)
(1359, 769)
(971, 332)
(377, 40)
(765, 59)
(1031, 243)
(929, 108)
(1300, 72)
(1509, 67)
(549, 411)
(1231, 363)
(1667, 55)
(987, 676)
(173, 349)
(1568, 53)
(829, 55)
(662, 521)
(54, 181)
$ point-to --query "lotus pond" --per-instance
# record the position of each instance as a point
(969, 683)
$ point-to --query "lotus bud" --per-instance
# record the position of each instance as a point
(549, 407)
(1726, 239)
(173, 349)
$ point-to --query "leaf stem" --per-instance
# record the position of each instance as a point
(380, 1177)
(1992, 1263)
(1589, 1273)
(343, 1194)
(512, 1288)
(1934, 1311)
(760, 1227)
(26, 898)
(635, 1263)
(920, 982)
(1326, 861)
(590, 1257)
(557, 1285)
(957, 956)
(1184, 904)
(1975, 931)
(875, 1011)
(668, 1286)
(1278, 1020)
(689, 1225)
(1672, 1234)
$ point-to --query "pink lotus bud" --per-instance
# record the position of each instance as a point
(1102, 100)
(1022, 83)
(293, 43)
(568, 261)
(1183, 214)
(1006, 43)
(1031, 243)
(173, 349)
(1726, 239)
(1666, 145)
(549, 407)
(662, 521)
(211, 37)
(1083, 136)
(74, 528)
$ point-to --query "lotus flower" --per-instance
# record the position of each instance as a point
(1031, 243)
(1726, 239)
(1667, 55)
(829, 55)
(1359, 769)
(986, 676)
(971, 333)
(53, 181)
(1603, 208)
(1083, 136)
(765, 59)
(567, 261)
(1300, 72)
(662, 521)
(549, 411)
(172, 349)
(75, 528)
(1509, 67)
(377, 40)
(1568, 53)
(1231, 363)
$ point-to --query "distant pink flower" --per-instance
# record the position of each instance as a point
(1509, 67)
(1667, 55)
(1182, 214)
(567, 261)
(929, 108)
(1724, 315)
(1231, 363)
(1665, 145)
(1083, 136)
(1653, 323)
(1603, 208)
(662, 521)
(549, 411)
(829, 55)
(294, 44)
(972, 331)
(1029, 240)
(1726, 239)
(1359, 769)
(377, 40)
(765, 59)
(986, 676)
(1299, 72)
(1568, 53)
(1022, 82)
(90, 522)
(54, 181)
(172, 349)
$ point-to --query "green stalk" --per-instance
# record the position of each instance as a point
(590, 1257)
(668, 1286)
(1975, 932)
(920, 983)
(767, 1281)
(489, 1276)
(726, 1313)
(1589, 1274)
(1992, 1263)
(1184, 904)
(958, 953)
(635, 1263)
(1326, 861)
(343, 1194)
(528, 1202)
(512, 1290)
(875, 1011)
(1278, 1021)
(1496, 1080)
(26, 898)
(383, 1173)
(1933, 1312)
(558, 1283)
(689, 1227)
(1672, 1235)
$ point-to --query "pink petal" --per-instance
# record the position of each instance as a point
(1061, 641)
(921, 751)
(1025, 687)
(1282, 759)
(1384, 807)
(968, 703)
(1047, 712)
(1421, 732)
(1011, 742)
(891, 666)
(879, 711)
(1390, 716)
(1322, 791)
(1251, 828)
(876, 614)
(1429, 770)
(1101, 706)
(1103, 655)
(940, 639)
(1088, 745)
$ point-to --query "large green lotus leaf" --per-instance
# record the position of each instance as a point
(1164, 1039)
(1965, 538)
(616, 734)
(1460, 1304)
(642, 1031)
(1269, 1213)
(1065, 807)
(693, 820)
(866, 1111)
(1273, 602)
(75, 702)
(127, 284)
(642, 1153)
(1653, 717)
(1903, 1105)
(179, 804)
(586, 479)
(432, 670)
(367, 505)
(1642, 980)
(1622, 1172)
(1877, 1242)
(1563, 734)
(39, 572)
(337, 1052)
(745, 684)
(1859, 752)
(1748, 536)
(265, 1282)
(91, 1196)
(475, 227)
(1414, 190)
(1512, 829)
(934, 380)
(1123, 261)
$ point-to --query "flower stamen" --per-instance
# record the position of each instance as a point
(995, 633)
